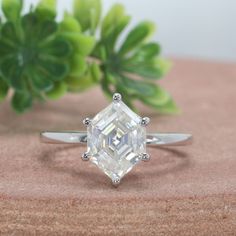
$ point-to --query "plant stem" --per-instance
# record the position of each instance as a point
(94, 59)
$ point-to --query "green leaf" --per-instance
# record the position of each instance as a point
(12, 9)
(111, 78)
(100, 52)
(87, 80)
(21, 101)
(46, 9)
(85, 44)
(30, 23)
(3, 89)
(164, 65)
(78, 66)
(145, 52)
(113, 24)
(78, 84)
(105, 84)
(47, 29)
(96, 72)
(112, 17)
(55, 68)
(8, 32)
(161, 101)
(42, 28)
(149, 70)
(58, 47)
(153, 69)
(70, 24)
(150, 50)
(59, 90)
(39, 81)
(6, 48)
(137, 36)
(88, 13)
(82, 44)
(13, 73)
(137, 87)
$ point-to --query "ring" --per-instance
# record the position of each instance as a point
(116, 139)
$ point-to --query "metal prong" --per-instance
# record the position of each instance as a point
(117, 97)
(85, 156)
(145, 157)
(116, 181)
(145, 121)
(87, 121)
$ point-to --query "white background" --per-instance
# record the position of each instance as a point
(203, 29)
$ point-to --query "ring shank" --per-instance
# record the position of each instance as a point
(158, 139)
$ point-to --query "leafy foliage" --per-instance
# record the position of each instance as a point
(38, 54)
(42, 58)
(132, 66)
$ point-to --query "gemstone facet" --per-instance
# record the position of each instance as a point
(116, 140)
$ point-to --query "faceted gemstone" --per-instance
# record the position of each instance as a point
(116, 139)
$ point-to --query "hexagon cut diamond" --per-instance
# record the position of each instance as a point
(116, 139)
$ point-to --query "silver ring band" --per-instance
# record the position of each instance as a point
(158, 139)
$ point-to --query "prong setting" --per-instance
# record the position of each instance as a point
(145, 157)
(117, 97)
(145, 121)
(115, 133)
(85, 156)
(87, 122)
(116, 181)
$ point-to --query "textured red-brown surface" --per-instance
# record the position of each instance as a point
(48, 190)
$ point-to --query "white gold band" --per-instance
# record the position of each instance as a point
(159, 139)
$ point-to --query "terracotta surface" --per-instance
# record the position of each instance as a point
(48, 190)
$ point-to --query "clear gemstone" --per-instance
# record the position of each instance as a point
(115, 140)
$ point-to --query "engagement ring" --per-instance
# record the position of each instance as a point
(116, 139)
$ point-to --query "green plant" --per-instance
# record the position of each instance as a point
(42, 58)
